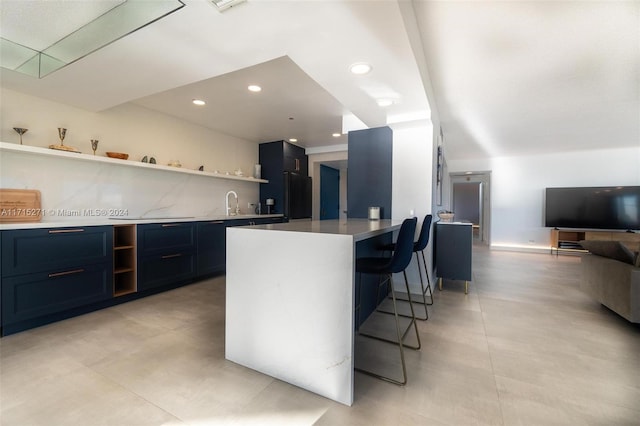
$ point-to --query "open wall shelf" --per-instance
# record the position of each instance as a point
(12, 147)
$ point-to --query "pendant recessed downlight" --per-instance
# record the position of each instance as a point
(336, 135)
(199, 102)
(360, 68)
(293, 140)
(385, 102)
(254, 88)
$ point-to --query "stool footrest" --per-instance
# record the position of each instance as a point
(377, 326)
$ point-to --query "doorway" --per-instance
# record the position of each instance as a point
(329, 193)
(470, 196)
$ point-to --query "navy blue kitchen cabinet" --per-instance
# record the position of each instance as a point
(36, 250)
(166, 254)
(369, 172)
(211, 247)
(282, 156)
(166, 238)
(214, 257)
(286, 167)
(46, 273)
(453, 251)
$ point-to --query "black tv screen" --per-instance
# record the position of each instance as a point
(610, 207)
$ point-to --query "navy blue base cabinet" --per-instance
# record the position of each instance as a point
(453, 251)
(47, 272)
(211, 247)
(166, 254)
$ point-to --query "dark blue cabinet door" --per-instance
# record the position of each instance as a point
(276, 158)
(166, 254)
(161, 270)
(35, 295)
(40, 250)
(453, 251)
(211, 257)
(166, 238)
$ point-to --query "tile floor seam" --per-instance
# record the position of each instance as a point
(486, 338)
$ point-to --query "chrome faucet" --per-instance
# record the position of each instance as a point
(226, 200)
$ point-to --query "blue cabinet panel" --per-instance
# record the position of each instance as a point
(34, 295)
(166, 254)
(40, 250)
(280, 160)
(369, 172)
(166, 238)
(211, 251)
(164, 270)
(453, 249)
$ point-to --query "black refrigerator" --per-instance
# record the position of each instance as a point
(297, 196)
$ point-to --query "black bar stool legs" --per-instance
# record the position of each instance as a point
(385, 268)
(419, 246)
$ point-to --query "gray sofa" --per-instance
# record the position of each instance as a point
(613, 283)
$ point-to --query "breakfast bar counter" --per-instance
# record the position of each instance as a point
(290, 300)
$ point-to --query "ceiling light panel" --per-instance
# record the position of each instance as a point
(223, 5)
(91, 31)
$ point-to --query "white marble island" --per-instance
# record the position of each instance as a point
(290, 300)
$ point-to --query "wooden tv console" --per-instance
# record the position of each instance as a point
(569, 239)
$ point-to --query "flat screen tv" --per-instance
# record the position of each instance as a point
(606, 207)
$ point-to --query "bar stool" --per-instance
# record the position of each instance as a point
(385, 267)
(418, 247)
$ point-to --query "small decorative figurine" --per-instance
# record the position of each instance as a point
(21, 131)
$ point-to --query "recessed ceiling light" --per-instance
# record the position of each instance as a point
(198, 102)
(336, 135)
(293, 140)
(360, 68)
(385, 102)
(254, 88)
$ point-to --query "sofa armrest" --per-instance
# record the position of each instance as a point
(613, 283)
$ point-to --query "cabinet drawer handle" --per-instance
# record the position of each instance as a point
(60, 274)
(65, 231)
(217, 221)
(170, 225)
(169, 256)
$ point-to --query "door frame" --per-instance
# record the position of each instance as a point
(484, 179)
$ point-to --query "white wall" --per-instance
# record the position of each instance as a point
(412, 165)
(72, 184)
(412, 184)
(518, 184)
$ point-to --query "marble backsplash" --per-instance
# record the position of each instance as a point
(70, 189)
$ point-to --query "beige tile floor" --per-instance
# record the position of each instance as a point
(524, 347)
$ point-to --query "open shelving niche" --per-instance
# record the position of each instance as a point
(124, 259)
(568, 240)
(12, 147)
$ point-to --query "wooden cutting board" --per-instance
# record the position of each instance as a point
(20, 205)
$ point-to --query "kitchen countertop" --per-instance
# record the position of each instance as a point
(359, 229)
(101, 221)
